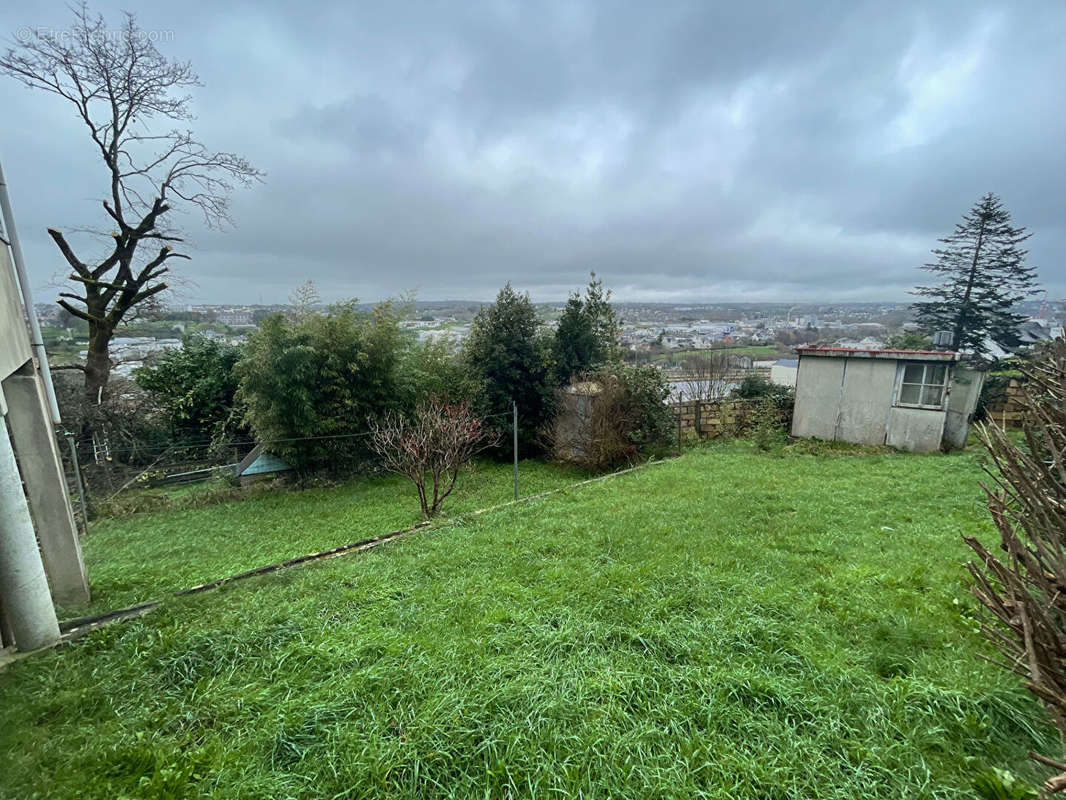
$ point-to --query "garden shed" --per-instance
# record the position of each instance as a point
(918, 400)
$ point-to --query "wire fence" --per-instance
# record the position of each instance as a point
(100, 468)
(122, 477)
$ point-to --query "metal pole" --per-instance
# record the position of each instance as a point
(680, 415)
(514, 430)
(78, 482)
(27, 599)
(27, 298)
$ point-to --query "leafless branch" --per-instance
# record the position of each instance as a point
(1023, 589)
(121, 87)
(431, 448)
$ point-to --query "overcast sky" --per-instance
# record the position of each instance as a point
(708, 151)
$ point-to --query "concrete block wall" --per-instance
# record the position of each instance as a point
(1006, 410)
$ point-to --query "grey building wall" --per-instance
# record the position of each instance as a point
(865, 401)
(33, 438)
(818, 386)
(919, 430)
(846, 399)
(46, 487)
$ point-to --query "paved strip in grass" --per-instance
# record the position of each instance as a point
(144, 556)
(730, 624)
(76, 627)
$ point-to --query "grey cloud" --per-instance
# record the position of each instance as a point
(682, 150)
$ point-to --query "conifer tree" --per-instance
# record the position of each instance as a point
(984, 276)
(510, 360)
(587, 335)
(604, 320)
(574, 345)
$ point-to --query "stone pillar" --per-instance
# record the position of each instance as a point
(46, 488)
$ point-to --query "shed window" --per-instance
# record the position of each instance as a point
(923, 385)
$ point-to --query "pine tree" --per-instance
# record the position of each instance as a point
(574, 345)
(604, 321)
(984, 277)
(588, 334)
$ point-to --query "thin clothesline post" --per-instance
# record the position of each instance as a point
(514, 432)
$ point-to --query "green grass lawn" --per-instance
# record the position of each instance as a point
(141, 557)
(730, 624)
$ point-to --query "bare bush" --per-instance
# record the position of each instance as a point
(431, 448)
(1024, 589)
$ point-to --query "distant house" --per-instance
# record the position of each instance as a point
(918, 400)
(235, 318)
(1029, 333)
(865, 343)
(1033, 331)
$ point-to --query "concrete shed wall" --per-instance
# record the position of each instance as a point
(844, 398)
(866, 400)
(818, 385)
(962, 403)
(916, 429)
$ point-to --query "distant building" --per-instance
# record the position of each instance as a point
(235, 318)
(784, 371)
(453, 337)
(917, 400)
(1035, 330)
(866, 343)
(1030, 332)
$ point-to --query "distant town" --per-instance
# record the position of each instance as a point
(660, 332)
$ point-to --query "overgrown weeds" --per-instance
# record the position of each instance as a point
(219, 489)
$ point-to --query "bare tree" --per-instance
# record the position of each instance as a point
(119, 83)
(704, 378)
(431, 448)
(304, 299)
(1023, 588)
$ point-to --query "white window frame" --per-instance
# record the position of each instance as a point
(927, 367)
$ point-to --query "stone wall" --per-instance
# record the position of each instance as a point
(715, 417)
(1006, 410)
